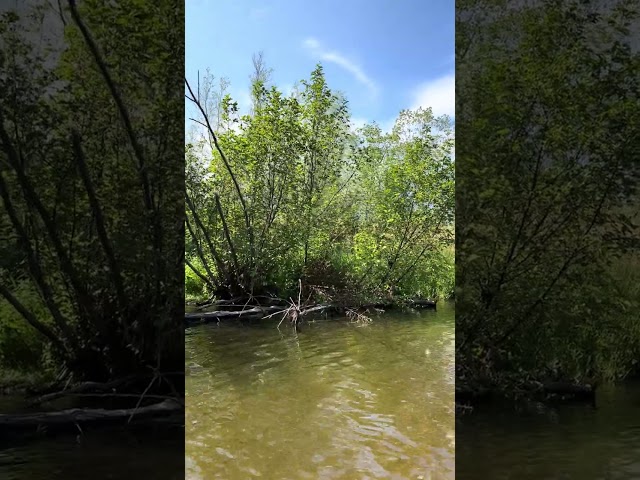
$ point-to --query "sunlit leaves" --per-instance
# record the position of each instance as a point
(369, 209)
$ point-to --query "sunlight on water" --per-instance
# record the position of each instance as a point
(336, 401)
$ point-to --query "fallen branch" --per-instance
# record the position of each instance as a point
(249, 314)
(357, 316)
(294, 309)
(82, 388)
(76, 416)
(423, 303)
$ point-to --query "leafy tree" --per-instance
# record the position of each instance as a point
(546, 117)
(292, 192)
(90, 187)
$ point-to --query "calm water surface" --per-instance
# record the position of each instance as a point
(571, 442)
(98, 455)
(335, 401)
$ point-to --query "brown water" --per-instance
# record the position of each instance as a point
(335, 401)
(569, 442)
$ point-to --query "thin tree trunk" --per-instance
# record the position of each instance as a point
(100, 223)
(227, 235)
(31, 318)
(205, 264)
(205, 233)
(245, 210)
(34, 267)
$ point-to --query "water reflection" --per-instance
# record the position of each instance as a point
(100, 455)
(337, 400)
(554, 443)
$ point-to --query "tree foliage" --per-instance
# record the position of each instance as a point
(91, 190)
(294, 192)
(548, 128)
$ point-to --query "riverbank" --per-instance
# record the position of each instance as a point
(550, 394)
(34, 405)
(264, 307)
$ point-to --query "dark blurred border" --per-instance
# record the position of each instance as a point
(547, 249)
(92, 238)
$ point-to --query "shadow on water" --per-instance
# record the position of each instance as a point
(338, 400)
(100, 455)
(562, 442)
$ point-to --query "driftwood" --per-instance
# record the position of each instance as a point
(422, 303)
(317, 308)
(81, 388)
(241, 303)
(234, 309)
(82, 416)
(254, 313)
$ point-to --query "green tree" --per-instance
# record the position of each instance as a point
(292, 192)
(546, 163)
(90, 187)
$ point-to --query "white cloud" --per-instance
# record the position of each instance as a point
(311, 43)
(439, 94)
(316, 49)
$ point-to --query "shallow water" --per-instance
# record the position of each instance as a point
(554, 443)
(337, 400)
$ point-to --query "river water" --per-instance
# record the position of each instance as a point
(100, 454)
(565, 442)
(336, 401)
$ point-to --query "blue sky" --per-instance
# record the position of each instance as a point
(383, 55)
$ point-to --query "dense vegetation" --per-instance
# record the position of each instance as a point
(290, 192)
(547, 194)
(91, 238)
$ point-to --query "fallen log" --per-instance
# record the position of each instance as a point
(317, 308)
(244, 302)
(234, 310)
(80, 388)
(82, 416)
(423, 303)
(254, 313)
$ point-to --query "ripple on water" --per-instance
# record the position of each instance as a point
(334, 401)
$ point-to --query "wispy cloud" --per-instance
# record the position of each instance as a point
(439, 94)
(314, 46)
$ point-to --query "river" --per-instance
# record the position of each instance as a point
(99, 454)
(338, 400)
(561, 442)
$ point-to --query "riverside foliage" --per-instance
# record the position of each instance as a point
(301, 194)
